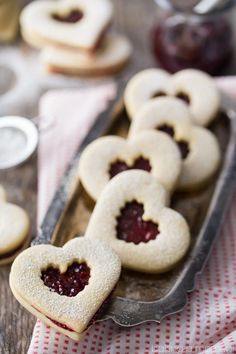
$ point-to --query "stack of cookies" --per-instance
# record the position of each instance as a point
(168, 148)
(75, 36)
(132, 180)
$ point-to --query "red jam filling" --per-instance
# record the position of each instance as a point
(183, 96)
(165, 128)
(158, 94)
(61, 325)
(73, 17)
(131, 227)
(182, 144)
(183, 148)
(119, 166)
(69, 283)
(97, 315)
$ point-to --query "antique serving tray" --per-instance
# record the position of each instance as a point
(141, 297)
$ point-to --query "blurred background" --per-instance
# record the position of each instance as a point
(172, 34)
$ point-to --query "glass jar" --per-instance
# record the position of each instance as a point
(186, 40)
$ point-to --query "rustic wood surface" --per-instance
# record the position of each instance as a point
(135, 18)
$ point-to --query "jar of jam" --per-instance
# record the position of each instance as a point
(182, 38)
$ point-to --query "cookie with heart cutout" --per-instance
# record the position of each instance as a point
(14, 231)
(199, 90)
(3, 196)
(66, 287)
(74, 23)
(110, 58)
(195, 87)
(131, 216)
(143, 86)
(107, 156)
(199, 147)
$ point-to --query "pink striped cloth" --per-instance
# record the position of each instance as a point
(208, 322)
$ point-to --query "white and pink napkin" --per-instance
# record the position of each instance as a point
(208, 322)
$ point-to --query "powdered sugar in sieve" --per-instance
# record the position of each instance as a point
(18, 140)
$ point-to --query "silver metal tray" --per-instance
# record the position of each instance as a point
(140, 297)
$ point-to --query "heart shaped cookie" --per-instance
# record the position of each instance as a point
(198, 146)
(14, 230)
(110, 58)
(151, 151)
(75, 23)
(196, 88)
(132, 218)
(65, 287)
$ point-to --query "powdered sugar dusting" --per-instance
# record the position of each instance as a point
(157, 255)
(76, 312)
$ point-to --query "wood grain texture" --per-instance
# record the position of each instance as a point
(134, 18)
(15, 323)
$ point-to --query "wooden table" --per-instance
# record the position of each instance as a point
(134, 18)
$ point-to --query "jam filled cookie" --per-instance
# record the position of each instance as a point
(66, 287)
(199, 148)
(76, 23)
(132, 218)
(144, 86)
(200, 92)
(14, 231)
(194, 87)
(112, 55)
(151, 151)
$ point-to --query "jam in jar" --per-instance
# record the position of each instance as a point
(184, 40)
